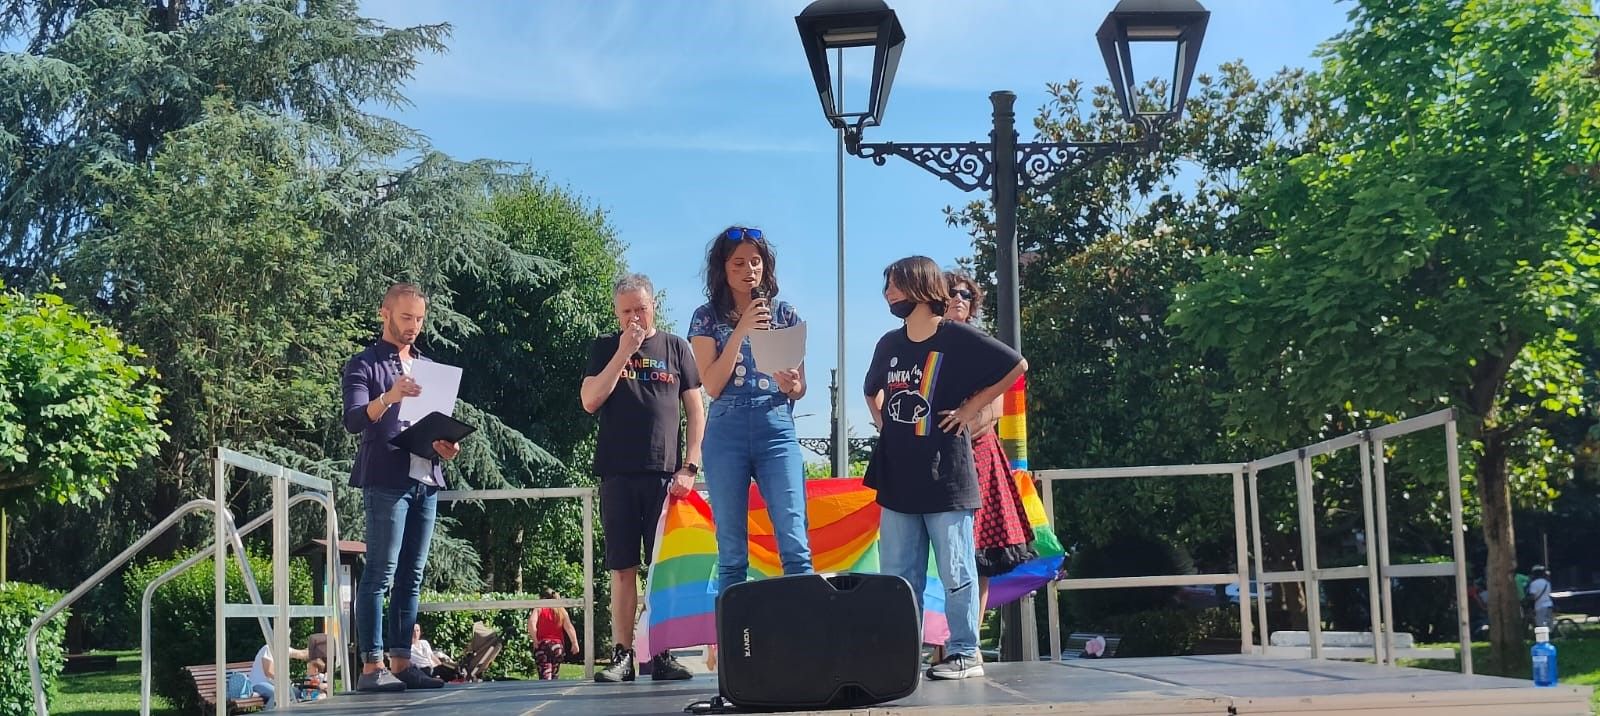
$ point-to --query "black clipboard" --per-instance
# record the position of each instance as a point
(418, 439)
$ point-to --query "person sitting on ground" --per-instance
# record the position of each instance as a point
(422, 654)
(550, 629)
(262, 672)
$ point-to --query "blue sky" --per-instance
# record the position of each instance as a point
(680, 117)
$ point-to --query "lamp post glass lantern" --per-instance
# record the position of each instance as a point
(1179, 23)
(1002, 165)
(842, 24)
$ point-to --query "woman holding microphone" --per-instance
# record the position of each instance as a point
(750, 433)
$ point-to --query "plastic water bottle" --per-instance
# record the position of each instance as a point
(1544, 658)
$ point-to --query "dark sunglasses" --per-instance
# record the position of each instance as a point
(963, 294)
(739, 233)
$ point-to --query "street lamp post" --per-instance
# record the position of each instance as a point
(1002, 165)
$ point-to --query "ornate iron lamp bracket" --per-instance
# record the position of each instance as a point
(970, 165)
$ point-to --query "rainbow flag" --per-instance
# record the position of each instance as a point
(680, 594)
(1013, 427)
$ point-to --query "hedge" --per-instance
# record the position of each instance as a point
(182, 626)
(20, 604)
(1170, 632)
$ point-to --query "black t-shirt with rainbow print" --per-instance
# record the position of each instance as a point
(918, 468)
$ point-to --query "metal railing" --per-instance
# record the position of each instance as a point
(40, 707)
(587, 496)
(1241, 577)
(1379, 571)
(1311, 575)
(236, 536)
(280, 607)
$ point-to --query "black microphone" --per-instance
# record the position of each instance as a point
(759, 293)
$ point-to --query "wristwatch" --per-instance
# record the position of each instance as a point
(692, 468)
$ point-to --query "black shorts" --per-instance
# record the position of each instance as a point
(630, 506)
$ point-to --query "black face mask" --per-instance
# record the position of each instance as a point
(904, 307)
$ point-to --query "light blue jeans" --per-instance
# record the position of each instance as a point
(753, 438)
(399, 529)
(266, 692)
(903, 541)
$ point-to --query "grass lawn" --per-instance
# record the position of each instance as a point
(106, 693)
(1577, 660)
(116, 693)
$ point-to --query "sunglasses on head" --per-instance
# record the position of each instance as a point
(963, 294)
(739, 233)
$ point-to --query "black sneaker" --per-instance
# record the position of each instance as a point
(665, 668)
(621, 668)
(378, 681)
(413, 678)
(956, 666)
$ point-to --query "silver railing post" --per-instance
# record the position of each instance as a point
(1458, 545)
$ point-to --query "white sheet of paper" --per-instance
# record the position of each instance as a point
(440, 384)
(779, 348)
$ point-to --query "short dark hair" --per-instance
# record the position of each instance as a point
(957, 277)
(717, 254)
(401, 289)
(919, 278)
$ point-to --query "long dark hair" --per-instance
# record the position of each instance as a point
(716, 273)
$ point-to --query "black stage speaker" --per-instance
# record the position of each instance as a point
(817, 641)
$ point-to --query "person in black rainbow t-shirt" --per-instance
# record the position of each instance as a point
(927, 386)
(641, 382)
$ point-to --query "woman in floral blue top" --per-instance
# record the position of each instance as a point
(750, 427)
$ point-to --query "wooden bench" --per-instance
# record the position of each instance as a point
(1073, 649)
(85, 663)
(205, 684)
(1349, 646)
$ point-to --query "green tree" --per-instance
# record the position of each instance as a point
(214, 178)
(538, 331)
(1103, 251)
(76, 403)
(106, 81)
(1436, 250)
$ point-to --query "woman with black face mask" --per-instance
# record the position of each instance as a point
(927, 387)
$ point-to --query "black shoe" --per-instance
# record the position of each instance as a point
(621, 668)
(413, 678)
(666, 668)
(379, 681)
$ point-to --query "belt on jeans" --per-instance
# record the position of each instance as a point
(753, 401)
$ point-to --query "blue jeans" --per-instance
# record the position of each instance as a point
(399, 528)
(753, 437)
(903, 541)
(267, 693)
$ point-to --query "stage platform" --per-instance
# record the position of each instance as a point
(1212, 685)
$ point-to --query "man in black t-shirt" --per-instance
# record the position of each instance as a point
(640, 382)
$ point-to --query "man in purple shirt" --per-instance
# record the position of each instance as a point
(399, 492)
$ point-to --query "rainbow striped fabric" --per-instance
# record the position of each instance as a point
(680, 594)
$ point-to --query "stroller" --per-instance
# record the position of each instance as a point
(481, 652)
